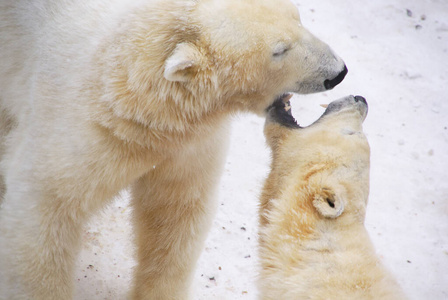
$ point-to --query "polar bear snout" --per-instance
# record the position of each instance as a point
(348, 103)
(331, 83)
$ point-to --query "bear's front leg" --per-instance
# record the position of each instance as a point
(172, 209)
(39, 241)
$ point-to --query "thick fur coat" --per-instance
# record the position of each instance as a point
(98, 96)
(313, 241)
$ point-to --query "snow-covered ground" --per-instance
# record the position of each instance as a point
(397, 55)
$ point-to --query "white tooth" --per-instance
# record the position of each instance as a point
(324, 105)
(287, 97)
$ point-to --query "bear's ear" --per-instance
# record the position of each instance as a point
(328, 204)
(180, 65)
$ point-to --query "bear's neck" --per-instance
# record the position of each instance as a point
(134, 101)
(342, 263)
(323, 246)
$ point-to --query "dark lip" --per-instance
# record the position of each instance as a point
(280, 112)
(280, 101)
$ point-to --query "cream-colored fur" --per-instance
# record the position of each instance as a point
(313, 241)
(97, 96)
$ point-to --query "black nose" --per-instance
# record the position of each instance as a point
(360, 98)
(331, 83)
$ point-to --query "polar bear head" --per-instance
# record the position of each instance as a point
(247, 52)
(322, 169)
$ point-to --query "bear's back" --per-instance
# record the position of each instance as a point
(50, 38)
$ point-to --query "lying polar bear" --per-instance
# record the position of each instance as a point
(313, 241)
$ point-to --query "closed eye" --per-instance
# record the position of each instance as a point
(280, 50)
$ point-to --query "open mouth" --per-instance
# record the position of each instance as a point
(280, 111)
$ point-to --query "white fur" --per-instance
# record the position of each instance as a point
(313, 243)
(93, 94)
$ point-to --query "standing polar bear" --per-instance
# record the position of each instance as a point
(97, 96)
(313, 243)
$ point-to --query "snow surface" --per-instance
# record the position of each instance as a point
(397, 55)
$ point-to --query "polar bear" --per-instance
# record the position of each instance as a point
(313, 243)
(97, 96)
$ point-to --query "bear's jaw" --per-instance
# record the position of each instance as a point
(348, 103)
(355, 109)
